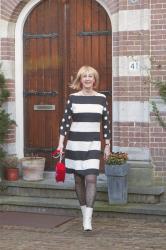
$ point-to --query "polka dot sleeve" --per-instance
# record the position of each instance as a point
(66, 120)
(106, 121)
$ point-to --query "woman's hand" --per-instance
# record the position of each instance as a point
(106, 152)
(60, 145)
(60, 148)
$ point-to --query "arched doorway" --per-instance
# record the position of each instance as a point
(59, 37)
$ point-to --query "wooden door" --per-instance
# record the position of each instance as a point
(59, 37)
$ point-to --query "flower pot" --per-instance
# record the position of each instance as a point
(33, 168)
(11, 174)
(117, 183)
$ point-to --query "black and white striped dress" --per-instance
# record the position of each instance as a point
(82, 122)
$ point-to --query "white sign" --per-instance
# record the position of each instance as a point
(134, 66)
(133, 1)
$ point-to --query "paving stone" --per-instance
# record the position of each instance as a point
(108, 233)
(32, 219)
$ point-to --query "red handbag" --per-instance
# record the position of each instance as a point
(60, 169)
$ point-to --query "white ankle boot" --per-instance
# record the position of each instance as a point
(83, 208)
(88, 219)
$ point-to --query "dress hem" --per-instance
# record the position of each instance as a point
(82, 172)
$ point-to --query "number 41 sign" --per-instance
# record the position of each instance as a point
(134, 65)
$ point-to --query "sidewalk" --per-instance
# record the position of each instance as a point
(108, 233)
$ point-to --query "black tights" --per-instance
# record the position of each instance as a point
(85, 187)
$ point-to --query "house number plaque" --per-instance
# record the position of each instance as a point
(44, 107)
(134, 65)
(133, 1)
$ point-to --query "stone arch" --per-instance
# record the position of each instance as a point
(13, 15)
(19, 69)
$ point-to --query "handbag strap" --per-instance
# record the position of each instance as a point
(60, 157)
(58, 154)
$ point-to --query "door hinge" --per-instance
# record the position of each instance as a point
(95, 33)
(37, 36)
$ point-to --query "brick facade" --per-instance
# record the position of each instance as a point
(139, 34)
(158, 48)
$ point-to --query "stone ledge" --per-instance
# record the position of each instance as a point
(29, 204)
(151, 190)
(101, 186)
(69, 185)
(140, 164)
(43, 184)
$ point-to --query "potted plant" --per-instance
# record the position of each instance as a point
(33, 168)
(116, 170)
(11, 168)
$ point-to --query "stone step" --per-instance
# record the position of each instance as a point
(42, 189)
(71, 207)
(47, 188)
(145, 194)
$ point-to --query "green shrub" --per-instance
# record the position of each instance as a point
(5, 120)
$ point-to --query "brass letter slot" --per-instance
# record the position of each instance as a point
(44, 107)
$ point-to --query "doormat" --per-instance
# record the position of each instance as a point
(32, 219)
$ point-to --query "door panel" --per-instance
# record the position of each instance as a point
(60, 37)
(86, 41)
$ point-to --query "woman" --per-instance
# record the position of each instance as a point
(85, 110)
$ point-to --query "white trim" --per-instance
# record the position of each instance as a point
(135, 153)
(131, 111)
(10, 148)
(19, 75)
(7, 29)
(7, 68)
(124, 62)
(159, 102)
(10, 109)
(19, 71)
(131, 20)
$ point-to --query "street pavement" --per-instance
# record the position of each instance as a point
(117, 233)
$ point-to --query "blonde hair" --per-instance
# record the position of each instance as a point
(76, 84)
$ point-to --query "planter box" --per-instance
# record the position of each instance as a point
(33, 168)
(117, 183)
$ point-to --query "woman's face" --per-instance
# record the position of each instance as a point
(87, 80)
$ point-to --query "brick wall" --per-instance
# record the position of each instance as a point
(125, 90)
(131, 42)
(158, 50)
(130, 134)
(11, 9)
(7, 53)
(116, 5)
